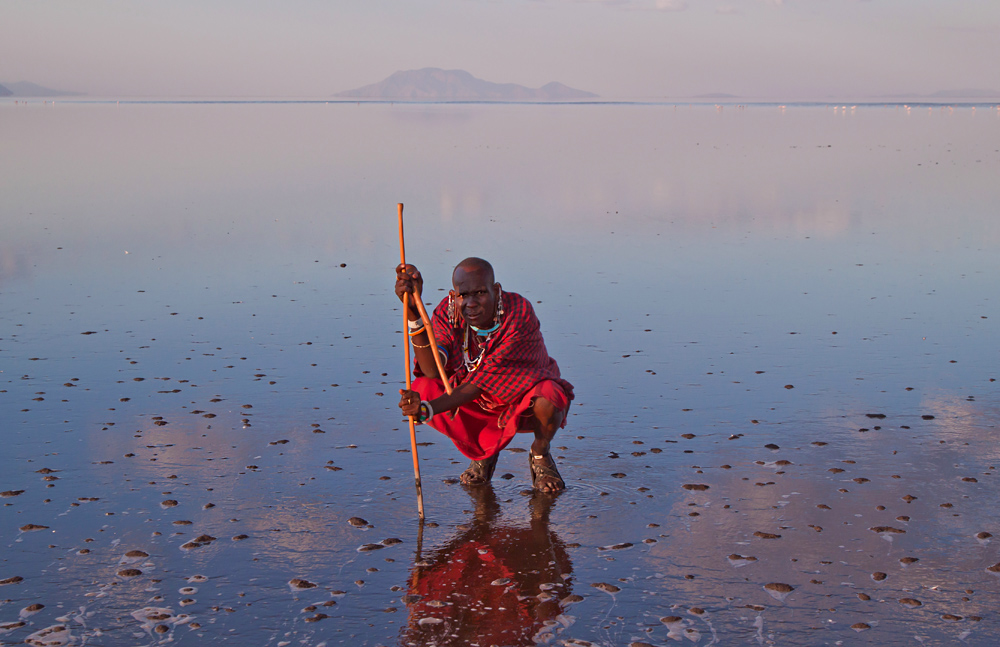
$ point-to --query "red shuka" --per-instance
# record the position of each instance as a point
(515, 369)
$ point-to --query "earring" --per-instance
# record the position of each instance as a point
(499, 303)
(452, 319)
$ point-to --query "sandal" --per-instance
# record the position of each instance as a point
(480, 472)
(546, 469)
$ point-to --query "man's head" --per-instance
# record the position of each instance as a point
(475, 292)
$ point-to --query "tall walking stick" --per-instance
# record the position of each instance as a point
(406, 336)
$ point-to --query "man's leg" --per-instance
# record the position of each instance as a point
(547, 419)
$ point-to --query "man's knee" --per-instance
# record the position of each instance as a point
(548, 415)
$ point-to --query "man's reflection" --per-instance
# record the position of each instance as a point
(494, 583)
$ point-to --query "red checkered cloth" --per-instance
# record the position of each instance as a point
(516, 368)
(515, 359)
(475, 430)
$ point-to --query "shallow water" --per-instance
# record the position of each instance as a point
(187, 287)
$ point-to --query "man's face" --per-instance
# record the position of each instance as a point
(475, 296)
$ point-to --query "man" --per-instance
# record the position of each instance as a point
(495, 358)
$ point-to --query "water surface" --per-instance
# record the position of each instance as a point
(197, 309)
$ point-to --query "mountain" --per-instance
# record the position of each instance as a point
(28, 89)
(435, 84)
(4, 92)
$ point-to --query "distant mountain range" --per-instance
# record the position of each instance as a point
(435, 84)
(28, 89)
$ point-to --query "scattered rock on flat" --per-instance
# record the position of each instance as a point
(621, 546)
(778, 590)
(54, 635)
(28, 527)
(607, 588)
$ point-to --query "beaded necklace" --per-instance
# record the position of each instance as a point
(472, 364)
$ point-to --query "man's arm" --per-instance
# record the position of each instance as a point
(425, 355)
(410, 282)
(464, 393)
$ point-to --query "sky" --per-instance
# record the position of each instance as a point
(619, 49)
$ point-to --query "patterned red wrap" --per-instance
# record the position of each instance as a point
(515, 362)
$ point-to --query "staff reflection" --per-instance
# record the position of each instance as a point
(495, 583)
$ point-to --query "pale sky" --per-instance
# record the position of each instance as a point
(620, 49)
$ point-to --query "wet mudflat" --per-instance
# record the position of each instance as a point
(781, 325)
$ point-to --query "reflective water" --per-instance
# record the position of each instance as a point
(197, 308)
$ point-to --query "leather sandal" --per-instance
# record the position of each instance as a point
(480, 472)
(544, 466)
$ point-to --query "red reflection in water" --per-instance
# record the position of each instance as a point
(493, 583)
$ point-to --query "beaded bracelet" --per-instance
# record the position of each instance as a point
(426, 411)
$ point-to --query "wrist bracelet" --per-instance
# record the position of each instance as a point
(426, 411)
(416, 324)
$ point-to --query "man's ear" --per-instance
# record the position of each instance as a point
(496, 288)
(452, 294)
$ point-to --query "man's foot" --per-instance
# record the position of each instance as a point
(480, 472)
(545, 476)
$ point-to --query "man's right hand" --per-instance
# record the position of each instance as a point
(409, 402)
(409, 281)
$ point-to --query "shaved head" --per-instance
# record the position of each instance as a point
(473, 265)
(476, 293)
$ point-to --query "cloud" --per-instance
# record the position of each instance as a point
(727, 10)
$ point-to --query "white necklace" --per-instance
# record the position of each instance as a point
(473, 364)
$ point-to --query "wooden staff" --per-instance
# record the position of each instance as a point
(428, 327)
(417, 301)
(406, 336)
(434, 347)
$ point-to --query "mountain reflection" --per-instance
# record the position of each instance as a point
(494, 583)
